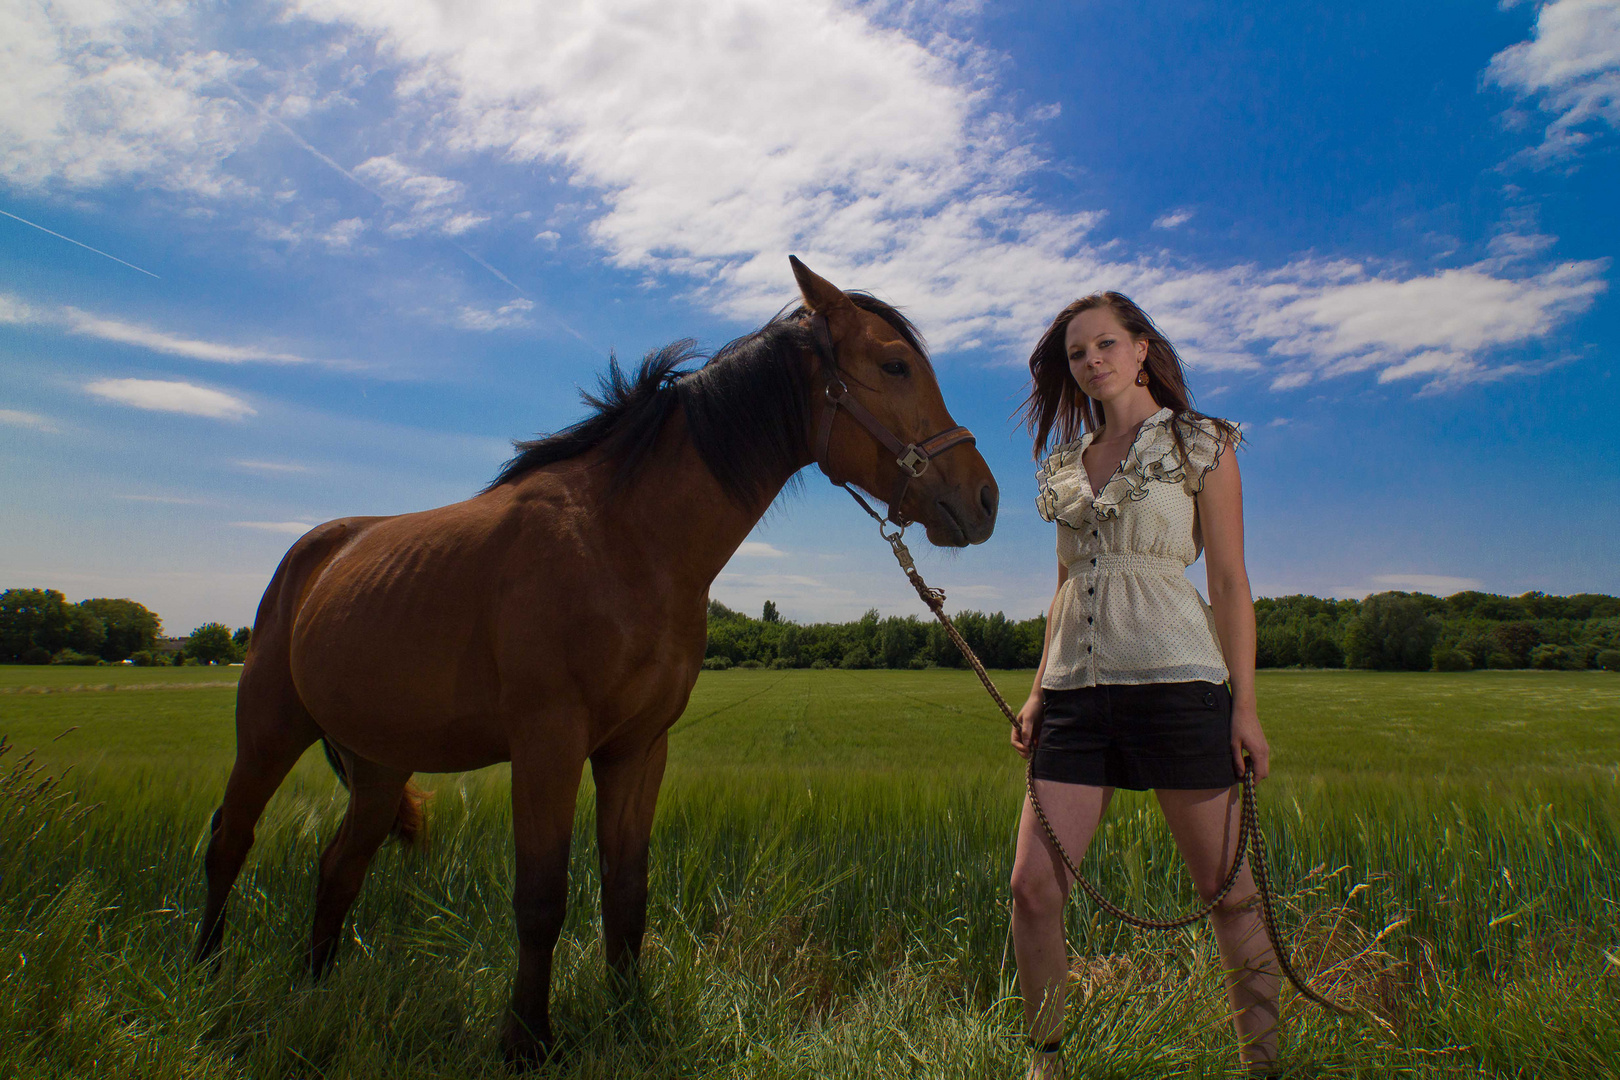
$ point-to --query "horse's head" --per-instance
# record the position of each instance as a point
(878, 421)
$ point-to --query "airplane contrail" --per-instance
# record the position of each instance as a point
(386, 201)
(70, 240)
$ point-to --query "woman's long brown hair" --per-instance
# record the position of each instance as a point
(1056, 405)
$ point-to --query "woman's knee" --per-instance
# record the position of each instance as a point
(1037, 893)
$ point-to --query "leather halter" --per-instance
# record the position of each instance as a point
(912, 459)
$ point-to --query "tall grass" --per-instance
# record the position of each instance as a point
(806, 923)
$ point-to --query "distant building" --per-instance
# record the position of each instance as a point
(170, 644)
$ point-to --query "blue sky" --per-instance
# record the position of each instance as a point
(346, 249)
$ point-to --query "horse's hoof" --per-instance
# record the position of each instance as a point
(521, 1049)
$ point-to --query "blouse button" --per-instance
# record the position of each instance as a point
(1090, 591)
(1088, 648)
(1088, 620)
(1093, 532)
(1093, 562)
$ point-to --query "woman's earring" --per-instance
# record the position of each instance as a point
(1141, 377)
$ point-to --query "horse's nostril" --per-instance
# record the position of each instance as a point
(988, 497)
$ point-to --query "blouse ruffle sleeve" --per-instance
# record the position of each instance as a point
(1157, 457)
(1204, 449)
(1060, 492)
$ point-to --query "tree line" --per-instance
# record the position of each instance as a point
(1400, 631)
(738, 640)
(1389, 631)
(39, 626)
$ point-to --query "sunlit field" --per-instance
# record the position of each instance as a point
(829, 892)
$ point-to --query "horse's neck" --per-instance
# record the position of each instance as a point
(684, 514)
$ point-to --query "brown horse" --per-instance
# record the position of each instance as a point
(560, 615)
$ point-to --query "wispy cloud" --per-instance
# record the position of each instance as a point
(1570, 68)
(506, 317)
(160, 395)
(18, 418)
(1173, 220)
(1433, 584)
(88, 324)
(429, 202)
(290, 528)
(81, 322)
(164, 500)
(759, 549)
(272, 466)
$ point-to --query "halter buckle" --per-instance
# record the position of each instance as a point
(913, 461)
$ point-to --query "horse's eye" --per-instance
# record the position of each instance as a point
(895, 367)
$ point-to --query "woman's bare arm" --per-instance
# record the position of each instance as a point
(1024, 733)
(1220, 517)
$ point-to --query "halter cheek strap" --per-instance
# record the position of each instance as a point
(911, 458)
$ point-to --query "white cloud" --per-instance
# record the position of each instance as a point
(707, 166)
(1513, 246)
(1174, 219)
(165, 500)
(759, 549)
(291, 528)
(81, 322)
(1446, 323)
(506, 317)
(427, 201)
(272, 466)
(18, 418)
(1571, 68)
(341, 235)
(100, 92)
(87, 324)
(159, 395)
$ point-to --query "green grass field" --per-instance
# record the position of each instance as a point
(829, 892)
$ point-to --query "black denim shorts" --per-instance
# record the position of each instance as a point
(1153, 735)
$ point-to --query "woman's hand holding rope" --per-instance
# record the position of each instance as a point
(1026, 728)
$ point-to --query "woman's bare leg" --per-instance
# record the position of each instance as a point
(1205, 826)
(1040, 889)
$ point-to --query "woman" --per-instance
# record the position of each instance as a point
(1132, 689)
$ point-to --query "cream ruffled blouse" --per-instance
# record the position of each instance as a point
(1127, 613)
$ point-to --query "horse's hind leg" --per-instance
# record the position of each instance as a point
(270, 737)
(374, 801)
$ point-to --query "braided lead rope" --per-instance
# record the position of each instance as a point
(1249, 833)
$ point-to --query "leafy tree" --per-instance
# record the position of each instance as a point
(1449, 658)
(210, 643)
(42, 619)
(241, 640)
(1517, 639)
(1393, 631)
(130, 627)
(770, 614)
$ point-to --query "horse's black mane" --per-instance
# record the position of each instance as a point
(745, 408)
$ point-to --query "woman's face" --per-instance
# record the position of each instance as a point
(1103, 358)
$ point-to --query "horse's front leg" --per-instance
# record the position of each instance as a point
(626, 796)
(545, 785)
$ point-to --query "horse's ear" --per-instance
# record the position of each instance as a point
(820, 295)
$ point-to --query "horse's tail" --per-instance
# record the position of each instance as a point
(408, 819)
